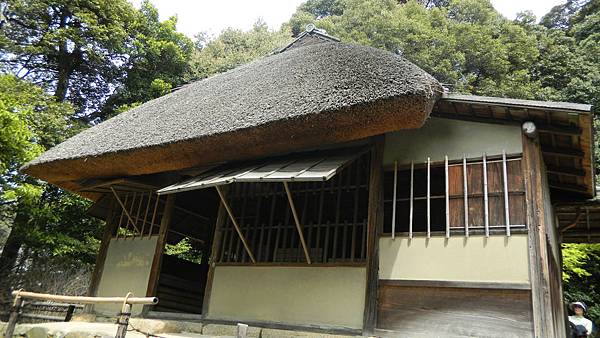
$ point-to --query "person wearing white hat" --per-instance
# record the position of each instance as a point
(579, 308)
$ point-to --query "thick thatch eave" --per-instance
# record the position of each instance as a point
(305, 97)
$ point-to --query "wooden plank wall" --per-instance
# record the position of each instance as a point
(408, 311)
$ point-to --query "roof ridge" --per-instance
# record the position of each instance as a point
(311, 31)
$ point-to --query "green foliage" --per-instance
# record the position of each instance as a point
(71, 47)
(30, 121)
(184, 250)
(581, 273)
(157, 59)
(233, 48)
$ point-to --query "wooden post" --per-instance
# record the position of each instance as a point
(14, 316)
(215, 252)
(160, 247)
(69, 314)
(374, 226)
(123, 320)
(394, 200)
(109, 230)
(538, 251)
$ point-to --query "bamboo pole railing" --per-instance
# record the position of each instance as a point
(123, 316)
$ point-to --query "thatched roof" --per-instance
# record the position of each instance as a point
(304, 97)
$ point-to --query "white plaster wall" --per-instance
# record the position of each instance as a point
(459, 258)
(292, 295)
(126, 269)
(440, 137)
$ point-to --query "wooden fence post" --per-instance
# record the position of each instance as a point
(14, 316)
(123, 321)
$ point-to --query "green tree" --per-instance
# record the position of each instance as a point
(440, 38)
(45, 221)
(72, 48)
(232, 48)
(157, 60)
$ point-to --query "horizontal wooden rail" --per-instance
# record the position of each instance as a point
(122, 321)
(84, 300)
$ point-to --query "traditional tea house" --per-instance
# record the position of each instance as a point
(338, 187)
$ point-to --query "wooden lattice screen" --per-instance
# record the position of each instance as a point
(333, 215)
(431, 199)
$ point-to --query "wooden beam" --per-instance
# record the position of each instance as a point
(574, 223)
(235, 224)
(563, 152)
(297, 221)
(455, 284)
(374, 228)
(567, 171)
(542, 128)
(539, 269)
(160, 247)
(124, 209)
(569, 187)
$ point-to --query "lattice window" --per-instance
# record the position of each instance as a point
(137, 214)
(333, 215)
(431, 199)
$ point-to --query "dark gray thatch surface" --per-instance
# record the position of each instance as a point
(299, 82)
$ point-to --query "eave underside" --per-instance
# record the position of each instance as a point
(565, 136)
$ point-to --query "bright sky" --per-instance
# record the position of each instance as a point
(213, 16)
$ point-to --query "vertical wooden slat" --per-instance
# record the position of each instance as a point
(297, 221)
(410, 215)
(267, 247)
(244, 187)
(256, 227)
(338, 201)
(355, 212)
(447, 197)
(160, 247)
(133, 223)
(320, 214)
(303, 220)
(154, 216)
(146, 213)
(123, 205)
(235, 224)
(394, 200)
(486, 217)
(326, 244)
(466, 196)
(139, 209)
(121, 218)
(505, 182)
(428, 197)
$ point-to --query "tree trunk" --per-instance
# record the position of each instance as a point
(10, 253)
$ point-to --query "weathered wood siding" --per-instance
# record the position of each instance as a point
(453, 312)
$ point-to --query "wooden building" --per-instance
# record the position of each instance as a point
(337, 187)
